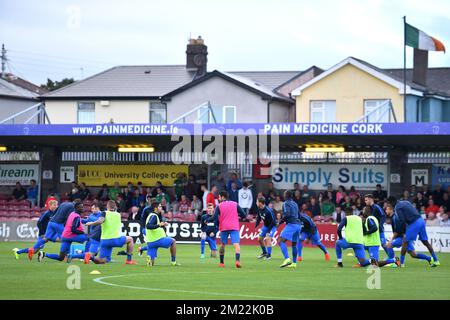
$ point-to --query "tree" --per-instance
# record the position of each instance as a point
(53, 85)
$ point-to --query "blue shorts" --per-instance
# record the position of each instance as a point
(234, 235)
(415, 229)
(357, 248)
(67, 242)
(291, 232)
(374, 252)
(265, 230)
(383, 238)
(107, 245)
(54, 231)
(212, 243)
(152, 247)
(315, 237)
(397, 243)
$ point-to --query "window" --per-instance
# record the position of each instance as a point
(158, 112)
(323, 111)
(377, 110)
(221, 114)
(86, 112)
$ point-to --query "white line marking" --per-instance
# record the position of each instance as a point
(100, 280)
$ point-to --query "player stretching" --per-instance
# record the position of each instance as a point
(227, 215)
(291, 231)
(268, 230)
(73, 232)
(152, 207)
(93, 244)
(378, 213)
(110, 238)
(354, 238)
(309, 231)
(42, 224)
(415, 226)
(209, 231)
(155, 237)
(372, 238)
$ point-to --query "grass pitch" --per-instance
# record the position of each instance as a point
(314, 278)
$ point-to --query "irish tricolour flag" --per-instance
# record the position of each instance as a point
(418, 39)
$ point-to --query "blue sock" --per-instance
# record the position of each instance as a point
(338, 252)
(52, 256)
(391, 260)
(269, 250)
(300, 248)
(22, 251)
(222, 258)
(402, 259)
(422, 256)
(144, 248)
(129, 257)
(284, 250)
(294, 253)
(434, 256)
(39, 244)
(238, 256)
(263, 248)
(77, 256)
(322, 247)
(174, 258)
(390, 252)
(202, 246)
(365, 263)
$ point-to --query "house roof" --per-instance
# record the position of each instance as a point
(24, 84)
(381, 74)
(271, 79)
(241, 81)
(128, 81)
(9, 89)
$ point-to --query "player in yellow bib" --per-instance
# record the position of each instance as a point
(111, 223)
(156, 237)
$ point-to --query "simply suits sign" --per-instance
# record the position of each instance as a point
(317, 176)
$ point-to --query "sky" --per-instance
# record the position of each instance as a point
(58, 38)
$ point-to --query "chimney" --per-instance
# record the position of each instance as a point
(420, 67)
(196, 56)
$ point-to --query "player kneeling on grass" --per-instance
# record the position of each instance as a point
(209, 231)
(309, 232)
(226, 215)
(155, 237)
(399, 229)
(73, 232)
(354, 239)
(110, 238)
(42, 224)
(268, 230)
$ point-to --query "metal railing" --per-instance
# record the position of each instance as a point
(40, 113)
(390, 109)
(207, 110)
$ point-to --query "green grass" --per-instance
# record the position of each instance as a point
(314, 278)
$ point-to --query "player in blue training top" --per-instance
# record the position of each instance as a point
(209, 232)
(378, 213)
(310, 233)
(399, 229)
(42, 224)
(415, 227)
(268, 230)
(291, 231)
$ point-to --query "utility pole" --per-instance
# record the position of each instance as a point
(3, 56)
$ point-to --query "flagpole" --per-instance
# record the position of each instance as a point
(404, 65)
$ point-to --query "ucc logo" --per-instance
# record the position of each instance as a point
(89, 174)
